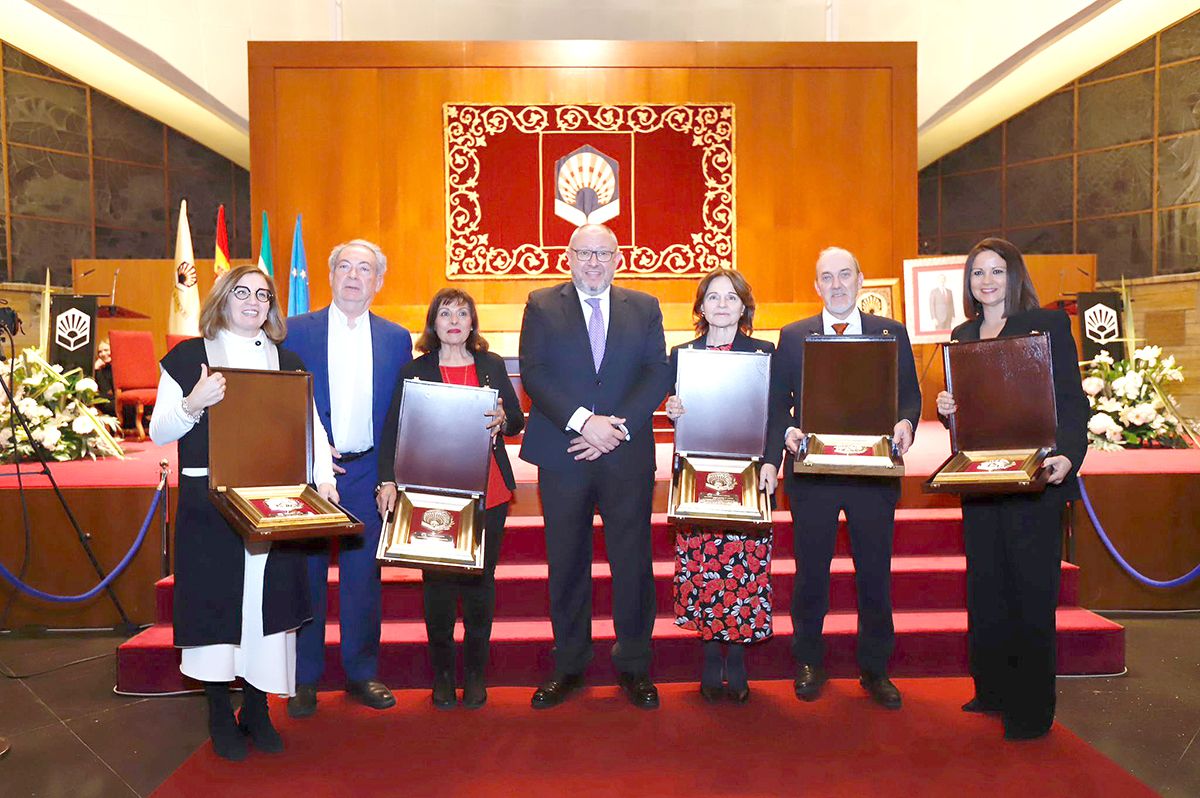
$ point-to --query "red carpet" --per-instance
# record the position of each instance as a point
(597, 745)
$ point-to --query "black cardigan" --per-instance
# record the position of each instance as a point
(492, 373)
(1070, 404)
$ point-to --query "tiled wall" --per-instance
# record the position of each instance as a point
(84, 176)
(1108, 164)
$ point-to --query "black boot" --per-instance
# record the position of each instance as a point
(474, 690)
(735, 673)
(712, 674)
(227, 739)
(444, 696)
(254, 719)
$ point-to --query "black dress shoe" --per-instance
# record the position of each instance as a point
(372, 693)
(1013, 732)
(640, 691)
(712, 694)
(474, 691)
(808, 682)
(444, 696)
(976, 705)
(881, 689)
(556, 690)
(304, 703)
(738, 696)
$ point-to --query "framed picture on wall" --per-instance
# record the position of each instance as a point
(933, 297)
(880, 297)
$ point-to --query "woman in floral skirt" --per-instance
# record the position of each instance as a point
(722, 584)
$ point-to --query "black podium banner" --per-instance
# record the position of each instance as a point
(73, 332)
(1100, 324)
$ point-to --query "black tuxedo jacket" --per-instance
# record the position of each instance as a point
(787, 372)
(558, 375)
(1070, 403)
(492, 373)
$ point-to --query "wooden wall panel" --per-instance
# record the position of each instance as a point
(351, 136)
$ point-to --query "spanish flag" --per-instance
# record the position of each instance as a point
(221, 256)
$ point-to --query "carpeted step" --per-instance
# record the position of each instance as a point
(918, 583)
(928, 643)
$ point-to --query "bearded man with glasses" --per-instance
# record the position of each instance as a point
(355, 358)
(593, 361)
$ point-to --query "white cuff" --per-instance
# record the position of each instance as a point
(578, 419)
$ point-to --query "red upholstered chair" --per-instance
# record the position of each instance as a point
(172, 340)
(135, 374)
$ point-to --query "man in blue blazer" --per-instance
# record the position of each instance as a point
(355, 358)
(816, 500)
(594, 363)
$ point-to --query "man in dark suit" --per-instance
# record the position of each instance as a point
(593, 361)
(816, 500)
(355, 358)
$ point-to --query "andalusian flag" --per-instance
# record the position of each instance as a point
(265, 261)
(185, 296)
(298, 276)
(221, 256)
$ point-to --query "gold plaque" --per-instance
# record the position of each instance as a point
(718, 492)
(431, 530)
(849, 455)
(1001, 470)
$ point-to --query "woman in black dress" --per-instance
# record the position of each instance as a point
(1014, 542)
(456, 353)
(722, 587)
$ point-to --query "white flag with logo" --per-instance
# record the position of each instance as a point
(185, 296)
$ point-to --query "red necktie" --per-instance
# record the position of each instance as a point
(840, 327)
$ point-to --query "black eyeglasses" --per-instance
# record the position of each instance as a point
(261, 294)
(602, 255)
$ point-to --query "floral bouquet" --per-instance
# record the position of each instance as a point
(59, 409)
(1128, 400)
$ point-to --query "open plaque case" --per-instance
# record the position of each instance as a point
(719, 441)
(260, 482)
(848, 406)
(1006, 422)
(443, 453)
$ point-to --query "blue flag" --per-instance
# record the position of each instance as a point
(298, 277)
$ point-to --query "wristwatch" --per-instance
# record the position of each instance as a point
(379, 487)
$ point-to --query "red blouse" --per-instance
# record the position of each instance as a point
(497, 492)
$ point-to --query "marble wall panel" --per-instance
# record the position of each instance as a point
(15, 59)
(1179, 170)
(961, 245)
(981, 152)
(184, 153)
(130, 196)
(112, 243)
(927, 208)
(1116, 111)
(204, 194)
(1181, 40)
(45, 113)
(1042, 130)
(1179, 98)
(1047, 240)
(49, 184)
(1116, 181)
(1039, 192)
(1122, 245)
(971, 202)
(1132, 60)
(238, 217)
(122, 133)
(1179, 240)
(38, 245)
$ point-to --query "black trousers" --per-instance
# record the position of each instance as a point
(1014, 549)
(870, 507)
(624, 503)
(442, 592)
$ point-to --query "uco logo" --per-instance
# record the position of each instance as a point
(72, 329)
(1100, 324)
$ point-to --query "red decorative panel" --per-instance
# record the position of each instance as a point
(520, 179)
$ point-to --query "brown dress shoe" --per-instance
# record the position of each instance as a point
(881, 689)
(371, 693)
(304, 703)
(556, 690)
(808, 683)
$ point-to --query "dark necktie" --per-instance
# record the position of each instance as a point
(840, 327)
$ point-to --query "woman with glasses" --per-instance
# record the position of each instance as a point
(456, 353)
(237, 604)
(722, 584)
(1014, 542)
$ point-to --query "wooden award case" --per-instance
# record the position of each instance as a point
(1006, 422)
(443, 454)
(848, 406)
(719, 441)
(260, 439)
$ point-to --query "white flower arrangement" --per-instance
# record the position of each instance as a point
(1128, 399)
(59, 408)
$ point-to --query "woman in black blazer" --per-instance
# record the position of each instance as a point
(456, 353)
(1014, 542)
(707, 563)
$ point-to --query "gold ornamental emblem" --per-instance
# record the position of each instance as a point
(999, 464)
(720, 482)
(437, 521)
(849, 448)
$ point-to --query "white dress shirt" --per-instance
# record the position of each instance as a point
(853, 322)
(580, 416)
(351, 372)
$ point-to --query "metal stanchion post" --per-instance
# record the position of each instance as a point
(165, 567)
